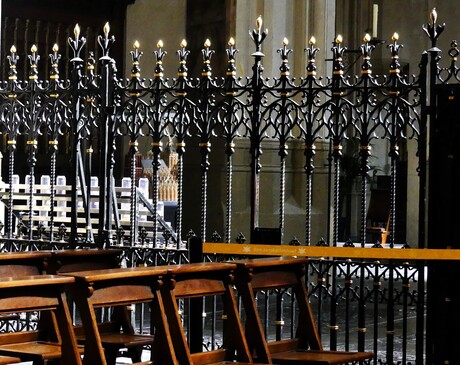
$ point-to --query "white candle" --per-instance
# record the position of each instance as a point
(375, 19)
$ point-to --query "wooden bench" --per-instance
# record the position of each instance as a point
(38, 293)
(198, 281)
(281, 273)
(120, 287)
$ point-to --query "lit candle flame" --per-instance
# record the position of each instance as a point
(367, 38)
(183, 44)
(395, 37)
(136, 45)
(13, 49)
(55, 48)
(33, 49)
(339, 39)
(231, 42)
(312, 41)
(160, 44)
(285, 41)
(207, 43)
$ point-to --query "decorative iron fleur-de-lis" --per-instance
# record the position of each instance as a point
(216, 237)
(106, 42)
(394, 49)
(76, 44)
(231, 53)
(258, 36)
(207, 54)
(284, 52)
(62, 230)
(432, 29)
(240, 238)
(183, 53)
(13, 61)
(34, 57)
(136, 54)
(366, 49)
(338, 51)
(54, 60)
(311, 52)
(159, 55)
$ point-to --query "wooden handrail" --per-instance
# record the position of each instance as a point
(408, 254)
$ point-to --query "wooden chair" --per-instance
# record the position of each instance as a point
(198, 281)
(38, 293)
(279, 273)
(64, 261)
(18, 264)
(120, 287)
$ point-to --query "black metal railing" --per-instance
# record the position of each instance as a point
(89, 116)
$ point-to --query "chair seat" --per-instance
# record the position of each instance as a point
(317, 357)
(4, 360)
(32, 350)
(122, 340)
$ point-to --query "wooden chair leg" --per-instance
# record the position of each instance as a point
(135, 353)
(111, 356)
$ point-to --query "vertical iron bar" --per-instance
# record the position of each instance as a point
(258, 37)
(279, 321)
(133, 206)
(422, 160)
(377, 285)
(53, 149)
(228, 215)
(75, 85)
(106, 139)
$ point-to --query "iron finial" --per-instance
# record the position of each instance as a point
(366, 50)
(135, 56)
(394, 50)
(231, 53)
(34, 57)
(311, 52)
(207, 54)
(76, 44)
(258, 36)
(284, 53)
(338, 51)
(13, 60)
(183, 53)
(159, 55)
(432, 29)
(105, 42)
(54, 59)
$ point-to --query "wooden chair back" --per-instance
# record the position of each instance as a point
(23, 263)
(270, 273)
(63, 261)
(192, 281)
(120, 287)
